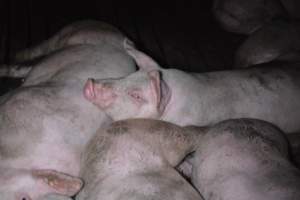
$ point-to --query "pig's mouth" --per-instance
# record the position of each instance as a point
(89, 90)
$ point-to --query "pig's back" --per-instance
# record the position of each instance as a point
(43, 126)
(251, 157)
(268, 94)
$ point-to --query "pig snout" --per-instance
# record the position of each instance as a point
(88, 90)
(101, 94)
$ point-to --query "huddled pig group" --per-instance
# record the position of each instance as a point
(85, 124)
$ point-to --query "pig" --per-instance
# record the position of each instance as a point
(46, 197)
(45, 123)
(278, 40)
(236, 159)
(54, 197)
(82, 32)
(244, 159)
(245, 17)
(136, 159)
(271, 94)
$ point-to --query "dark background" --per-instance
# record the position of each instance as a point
(180, 34)
(177, 33)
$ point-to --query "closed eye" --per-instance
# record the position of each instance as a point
(137, 96)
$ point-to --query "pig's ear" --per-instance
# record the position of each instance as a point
(155, 85)
(142, 60)
(61, 183)
(160, 90)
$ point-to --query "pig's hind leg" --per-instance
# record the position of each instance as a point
(12, 76)
(15, 71)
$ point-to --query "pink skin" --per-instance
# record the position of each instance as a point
(200, 99)
(45, 126)
(123, 98)
(141, 94)
(99, 93)
(102, 94)
(37, 184)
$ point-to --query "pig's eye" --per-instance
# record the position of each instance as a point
(137, 96)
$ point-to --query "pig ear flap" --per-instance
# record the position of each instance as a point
(142, 60)
(155, 87)
(61, 183)
(162, 92)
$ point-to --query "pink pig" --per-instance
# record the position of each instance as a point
(271, 94)
(46, 123)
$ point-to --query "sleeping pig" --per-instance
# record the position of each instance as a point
(134, 159)
(270, 94)
(239, 159)
(45, 124)
(244, 159)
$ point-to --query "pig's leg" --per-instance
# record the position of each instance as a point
(175, 142)
(185, 168)
(39, 50)
(81, 32)
(15, 71)
(50, 45)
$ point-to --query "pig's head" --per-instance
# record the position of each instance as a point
(142, 94)
(16, 184)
